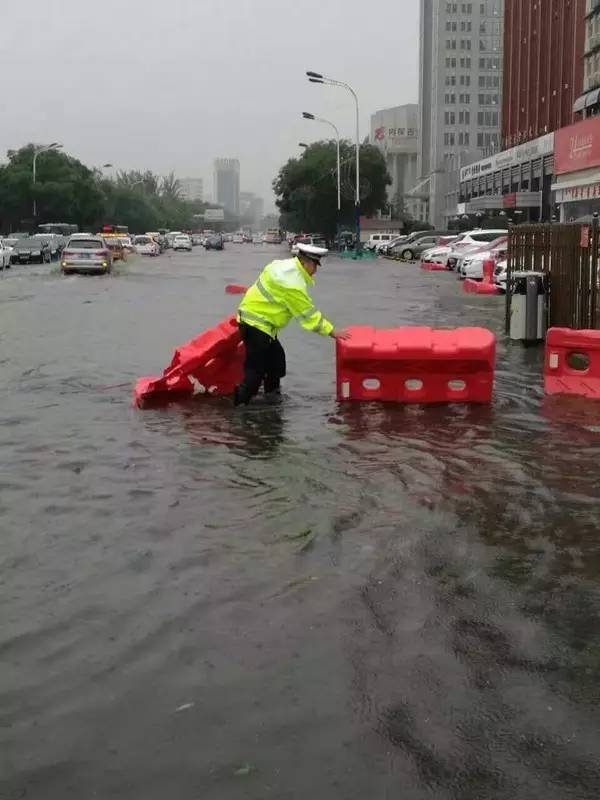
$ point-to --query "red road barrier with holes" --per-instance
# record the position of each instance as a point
(416, 365)
(212, 363)
(572, 362)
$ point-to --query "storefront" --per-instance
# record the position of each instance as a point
(577, 168)
(516, 182)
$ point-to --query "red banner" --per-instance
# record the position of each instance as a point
(585, 236)
(577, 146)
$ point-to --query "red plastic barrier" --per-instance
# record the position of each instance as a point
(479, 287)
(486, 286)
(433, 266)
(572, 362)
(212, 363)
(416, 365)
(235, 288)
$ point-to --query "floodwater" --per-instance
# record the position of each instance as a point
(293, 601)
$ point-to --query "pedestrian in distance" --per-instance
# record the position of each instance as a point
(279, 294)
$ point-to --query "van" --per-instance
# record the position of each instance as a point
(379, 238)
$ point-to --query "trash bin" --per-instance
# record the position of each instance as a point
(528, 306)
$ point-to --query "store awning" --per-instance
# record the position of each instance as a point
(586, 100)
(591, 98)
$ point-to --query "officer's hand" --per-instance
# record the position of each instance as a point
(341, 335)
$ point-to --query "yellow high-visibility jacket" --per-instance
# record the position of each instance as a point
(280, 294)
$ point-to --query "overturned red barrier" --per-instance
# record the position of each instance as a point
(211, 363)
(235, 288)
(572, 362)
(433, 266)
(416, 365)
(486, 286)
(471, 286)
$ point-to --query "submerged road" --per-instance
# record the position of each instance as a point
(303, 600)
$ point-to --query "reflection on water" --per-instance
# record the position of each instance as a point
(198, 601)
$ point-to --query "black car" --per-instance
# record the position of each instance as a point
(214, 243)
(30, 251)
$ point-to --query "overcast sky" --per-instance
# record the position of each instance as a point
(172, 84)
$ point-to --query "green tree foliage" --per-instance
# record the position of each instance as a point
(306, 187)
(68, 191)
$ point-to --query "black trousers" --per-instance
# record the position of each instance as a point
(265, 363)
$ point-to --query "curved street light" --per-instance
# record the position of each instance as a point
(306, 115)
(317, 77)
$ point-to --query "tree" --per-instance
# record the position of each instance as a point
(306, 187)
(65, 189)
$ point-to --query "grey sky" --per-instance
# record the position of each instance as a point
(171, 84)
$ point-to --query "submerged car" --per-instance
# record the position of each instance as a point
(182, 242)
(472, 263)
(117, 249)
(146, 246)
(214, 243)
(31, 251)
(91, 255)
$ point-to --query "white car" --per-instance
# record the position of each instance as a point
(5, 254)
(471, 265)
(146, 246)
(437, 255)
(500, 273)
(238, 238)
(182, 242)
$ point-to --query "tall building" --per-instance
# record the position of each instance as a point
(460, 85)
(394, 131)
(252, 208)
(192, 188)
(588, 103)
(227, 184)
(543, 67)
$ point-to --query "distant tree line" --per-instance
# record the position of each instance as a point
(68, 191)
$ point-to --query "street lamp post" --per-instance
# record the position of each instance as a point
(37, 151)
(316, 77)
(306, 115)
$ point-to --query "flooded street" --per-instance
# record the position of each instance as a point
(293, 601)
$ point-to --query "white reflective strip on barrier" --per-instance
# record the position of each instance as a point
(554, 361)
(345, 389)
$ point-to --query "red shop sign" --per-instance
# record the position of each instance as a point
(577, 146)
(585, 236)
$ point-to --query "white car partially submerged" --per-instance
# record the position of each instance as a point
(471, 265)
(182, 242)
(146, 246)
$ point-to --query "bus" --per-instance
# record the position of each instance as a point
(114, 230)
(58, 228)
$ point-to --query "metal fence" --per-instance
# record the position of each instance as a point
(569, 255)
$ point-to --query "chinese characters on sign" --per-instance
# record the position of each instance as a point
(577, 193)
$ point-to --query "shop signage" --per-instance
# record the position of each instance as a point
(521, 154)
(573, 193)
(577, 147)
(585, 236)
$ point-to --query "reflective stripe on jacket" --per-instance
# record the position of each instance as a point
(280, 294)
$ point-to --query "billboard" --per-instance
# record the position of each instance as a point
(577, 147)
(214, 215)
